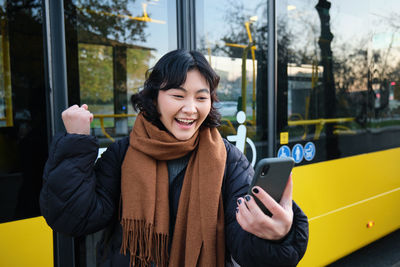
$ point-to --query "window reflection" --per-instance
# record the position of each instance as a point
(23, 126)
(233, 36)
(96, 79)
(337, 74)
(6, 109)
(385, 64)
(138, 62)
(110, 45)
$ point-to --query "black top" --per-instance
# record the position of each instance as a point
(176, 173)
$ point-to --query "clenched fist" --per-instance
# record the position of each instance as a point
(77, 119)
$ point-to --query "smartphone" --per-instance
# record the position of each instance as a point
(272, 175)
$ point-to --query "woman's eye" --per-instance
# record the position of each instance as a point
(178, 96)
(202, 98)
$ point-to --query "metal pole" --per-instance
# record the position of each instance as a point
(186, 24)
(56, 61)
(57, 101)
(272, 78)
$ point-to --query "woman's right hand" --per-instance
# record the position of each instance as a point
(77, 119)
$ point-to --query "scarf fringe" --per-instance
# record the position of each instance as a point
(144, 245)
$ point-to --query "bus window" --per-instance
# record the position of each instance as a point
(384, 66)
(233, 36)
(6, 112)
(109, 48)
(23, 131)
(337, 78)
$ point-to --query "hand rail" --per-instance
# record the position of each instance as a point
(230, 125)
(319, 123)
(102, 116)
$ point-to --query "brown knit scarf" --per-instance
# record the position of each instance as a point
(198, 239)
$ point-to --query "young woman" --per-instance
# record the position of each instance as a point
(173, 193)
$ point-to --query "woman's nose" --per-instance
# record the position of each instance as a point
(189, 107)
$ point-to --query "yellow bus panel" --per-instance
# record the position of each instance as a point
(350, 202)
(26, 242)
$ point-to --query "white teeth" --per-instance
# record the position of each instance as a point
(185, 121)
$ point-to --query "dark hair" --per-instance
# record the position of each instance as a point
(170, 72)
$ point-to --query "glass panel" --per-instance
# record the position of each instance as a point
(233, 37)
(110, 45)
(384, 58)
(6, 114)
(96, 80)
(337, 78)
(23, 132)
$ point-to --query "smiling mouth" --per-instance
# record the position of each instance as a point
(185, 121)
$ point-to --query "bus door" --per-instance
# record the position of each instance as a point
(26, 240)
(109, 48)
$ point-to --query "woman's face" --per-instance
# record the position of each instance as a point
(184, 109)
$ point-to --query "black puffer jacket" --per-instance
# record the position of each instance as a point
(80, 197)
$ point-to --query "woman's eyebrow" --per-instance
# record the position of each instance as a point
(203, 90)
(180, 88)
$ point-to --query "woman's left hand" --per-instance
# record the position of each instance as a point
(253, 220)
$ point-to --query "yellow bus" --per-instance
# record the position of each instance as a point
(317, 80)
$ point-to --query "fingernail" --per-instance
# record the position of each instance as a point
(239, 201)
(247, 198)
(255, 190)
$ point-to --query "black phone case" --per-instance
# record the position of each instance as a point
(271, 174)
